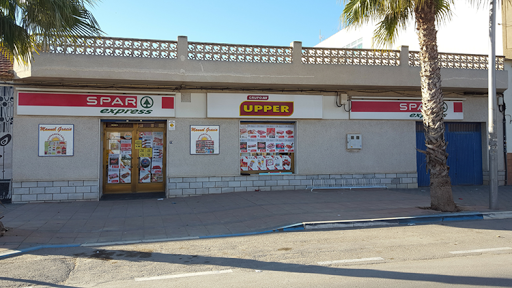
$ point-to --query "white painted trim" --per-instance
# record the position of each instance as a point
(351, 260)
(184, 275)
(481, 250)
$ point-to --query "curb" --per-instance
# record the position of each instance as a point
(461, 216)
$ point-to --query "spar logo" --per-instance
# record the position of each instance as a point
(266, 108)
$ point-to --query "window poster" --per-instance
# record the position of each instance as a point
(204, 140)
(266, 147)
(56, 140)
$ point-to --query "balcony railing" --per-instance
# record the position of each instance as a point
(140, 48)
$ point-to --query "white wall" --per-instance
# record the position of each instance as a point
(466, 32)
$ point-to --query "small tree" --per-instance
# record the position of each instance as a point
(29, 25)
(391, 16)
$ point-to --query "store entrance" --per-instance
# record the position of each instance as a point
(133, 157)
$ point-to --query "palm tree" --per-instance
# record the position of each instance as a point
(391, 16)
(29, 25)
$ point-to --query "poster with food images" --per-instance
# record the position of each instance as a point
(278, 162)
(144, 176)
(56, 140)
(281, 131)
(125, 175)
(287, 162)
(289, 131)
(243, 146)
(280, 146)
(270, 163)
(113, 161)
(252, 145)
(262, 146)
(243, 131)
(158, 139)
(288, 145)
(126, 145)
(271, 146)
(271, 132)
(157, 176)
(204, 140)
(262, 163)
(253, 163)
(244, 163)
(157, 164)
(113, 175)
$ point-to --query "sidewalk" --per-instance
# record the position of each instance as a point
(39, 224)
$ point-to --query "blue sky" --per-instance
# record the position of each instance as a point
(264, 22)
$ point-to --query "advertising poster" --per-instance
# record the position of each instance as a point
(56, 140)
(113, 175)
(126, 175)
(204, 140)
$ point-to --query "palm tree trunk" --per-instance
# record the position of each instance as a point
(432, 100)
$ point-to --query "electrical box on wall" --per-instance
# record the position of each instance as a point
(354, 141)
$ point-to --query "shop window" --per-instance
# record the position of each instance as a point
(267, 147)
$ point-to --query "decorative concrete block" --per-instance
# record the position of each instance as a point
(240, 189)
(44, 183)
(412, 174)
(335, 176)
(276, 177)
(390, 175)
(240, 178)
(380, 175)
(16, 184)
(391, 186)
(406, 180)
(234, 184)
(189, 179)
(175, 180)
(84, 189)
(386, 181)
(60, 183)
(196, 185)
(277, 188)
(214, 179)
(306, 182)
(300, 187)
(52, 190)
(228, 190)
(294, 182)
(67, 189)
(288, 177)
(368, 176)
(91, 182)
(171, 185)
(264, 177)
(44, 197)
(202, 179)
(246, 184)
(270, 183)
(76, 196)
(60, 197)
(28, 184)
(95, 189)
(283, 182)
(258, 183)
(189, 191)
(38, 190)
(395, 181)
(311, 177)
(19, 191)
(26, 198)
(357, 176)
(182, 185)
(222, 184)
(300, 177)
(16, 198)
(401, 175)
(288, 187)
(76, 183)
(202, 191)
(264, 188)
(228, 178)
(208, 184)
(347, 176)
(175, 192)
(90, 196)
(214, 190)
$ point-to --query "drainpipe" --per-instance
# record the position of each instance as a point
(502, 107)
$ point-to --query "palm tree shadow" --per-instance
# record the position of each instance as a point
(188, 259)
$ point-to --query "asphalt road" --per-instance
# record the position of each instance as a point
(461, 254)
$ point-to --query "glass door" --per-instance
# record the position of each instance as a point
(134, 157)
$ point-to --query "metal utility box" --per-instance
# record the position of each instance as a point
(354, 141)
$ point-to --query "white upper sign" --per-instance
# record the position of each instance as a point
(228, 105)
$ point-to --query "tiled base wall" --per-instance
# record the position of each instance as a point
(185, 186)
(55, 191)
(501, 178)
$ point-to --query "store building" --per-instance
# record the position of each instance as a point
(134, 116)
